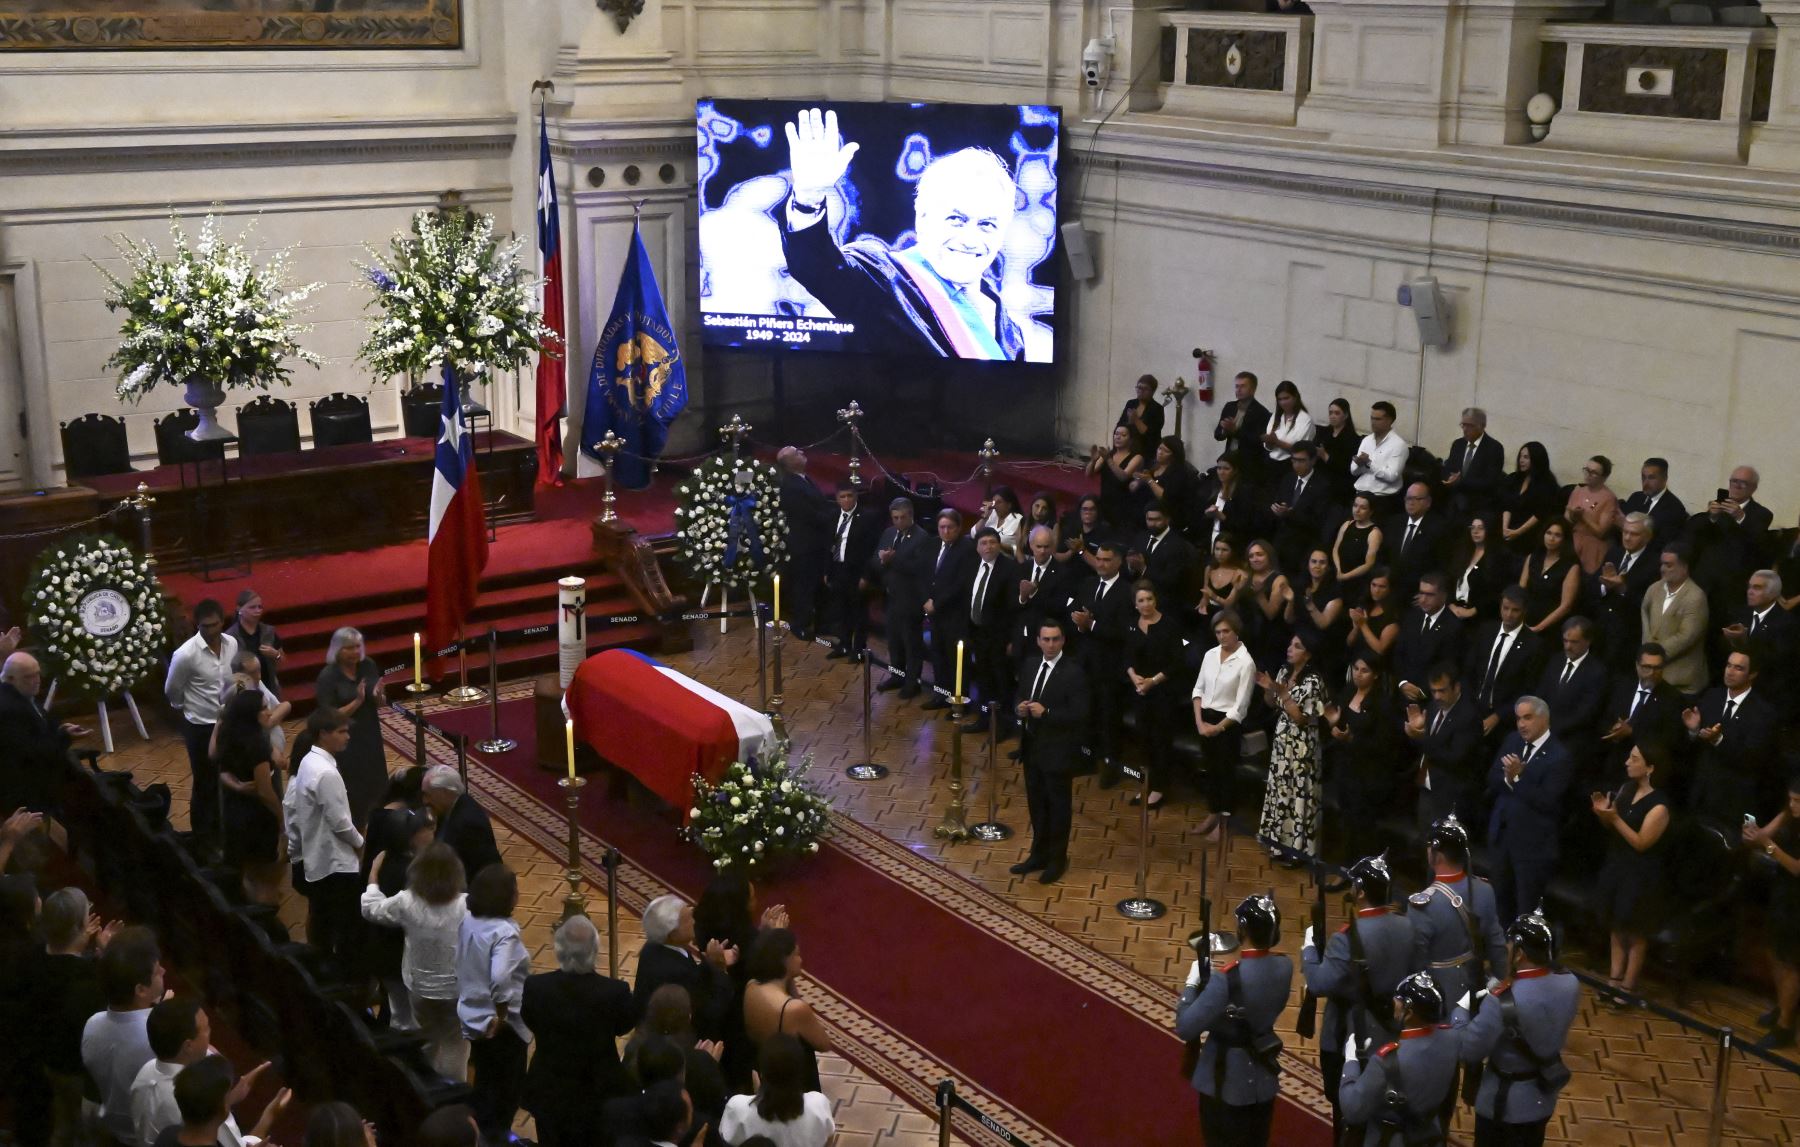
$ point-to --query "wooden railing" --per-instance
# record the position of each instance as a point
(1234, 65)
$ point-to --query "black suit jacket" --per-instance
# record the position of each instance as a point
(999, 597)
(1669, 517)
(1526, 815)
(1736, 775)
(1726, 552)
(1103, 646)
(469, 833)
(1252, 424)
(865, 531)
(1479, 486)
(1575, 708)
(1406, 562)
(899, 578)
(810, 515)
(33, 752)
(1416, 650)
(709, 989)
(1171, 567)
(1303, 528)
(1057, 587)
(1657, 721)
(1777, 639)
(1453, 751)
(1053, 742)
(947, 583)
(575, 1019)
(1512, 678)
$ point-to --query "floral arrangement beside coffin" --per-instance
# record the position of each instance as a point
(207, 317)
(759, 815)
(450, 296)
(96, 613)
(729, 528)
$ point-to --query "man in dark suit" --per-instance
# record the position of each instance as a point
(1475, 467)
(1448, 737)
(1761, 624)
(576, 1016)
(945, 571)
(809, 516)
(1242, 425)
(1412, 542)
(668, 957)
(1429, 635)
(1730, 540)
(1615, 592)
(990, 622)
(36, 748)
(1526, 785)
(1053, 712)
(1302, 503)
(1500, 664)
(1169, 560)
(1665, 511)
(853, 537)
(1047, 587)
(1643, 709)
(895, 565)
(1735, 729)
(1105, 610)
(461, 823)
(1576, 686)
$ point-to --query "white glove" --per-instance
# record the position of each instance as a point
(1467, 1001)
(1308, 942)
(1491, 985)
(1350, 1049)
(1193, 976)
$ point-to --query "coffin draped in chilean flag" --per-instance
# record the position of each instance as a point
(661, 726)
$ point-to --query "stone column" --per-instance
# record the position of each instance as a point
(1492, 66)
(1777, 143)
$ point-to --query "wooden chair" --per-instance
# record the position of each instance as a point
(340, 420)
(268, 425)
(95, 444)
(420, 408)
(174, 447)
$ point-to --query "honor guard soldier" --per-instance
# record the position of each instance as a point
(1455, 920)
(1361, 966)
(1237, 1008)
(1398, 1097)
(1520, 1030)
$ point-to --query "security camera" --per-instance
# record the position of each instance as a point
(1096, 58)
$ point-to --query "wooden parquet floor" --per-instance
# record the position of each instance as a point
(1637, 1079)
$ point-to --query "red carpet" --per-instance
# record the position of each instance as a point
(936, 976)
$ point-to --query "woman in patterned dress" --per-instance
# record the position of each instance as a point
(1290, 814)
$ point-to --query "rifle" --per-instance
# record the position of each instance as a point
(1382, 1012)
(1201, 943)
(1308, 1023)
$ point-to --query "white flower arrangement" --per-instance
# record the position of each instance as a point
(758, 813)
(729, 528)
(208, 311)
(96, 610)
(448, 293)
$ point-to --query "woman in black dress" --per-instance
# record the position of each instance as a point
(253, 636)
(400, 828)
(1337, 443)
(772, 1003)
(1356, 548)
(1628, 896)
(1551, 580)
(1361, 759)
(1375, 624)
(726, 912)
(1317, 609)
(1116, 470)
(1530, 499)
(1269, 597)
(1170, 480)
(1225, 503)
(1779, 840)
(351, 684)
(1153, 660)
(1480, 567)
(252, 789)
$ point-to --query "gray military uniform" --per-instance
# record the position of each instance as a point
(1545, 1004)
(1265, 980)
(1443, 934)
(1427, 1071)
(1388, 946)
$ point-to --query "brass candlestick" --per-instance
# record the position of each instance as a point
(464, 693)
(955, 824)
(141, 501)
(609, 448)
(775, 701)
(574, 904)
(851, 416)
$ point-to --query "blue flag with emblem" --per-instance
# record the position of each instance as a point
(638, 383)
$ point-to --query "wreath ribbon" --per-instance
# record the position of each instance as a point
(740, 528)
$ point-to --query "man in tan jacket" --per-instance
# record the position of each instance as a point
(1675, 615)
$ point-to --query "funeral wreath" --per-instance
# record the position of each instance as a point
(95, 610)
(729, 528)
(760, 813)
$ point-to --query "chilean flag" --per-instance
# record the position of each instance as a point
(551, 401)
(457, 550)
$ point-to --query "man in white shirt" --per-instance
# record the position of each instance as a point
(198, 683)
(115, 1044)
(324, 839)
(1380, 462)
(205, 1091)
(180, 1035)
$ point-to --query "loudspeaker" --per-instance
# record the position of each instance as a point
(1075, 246)
(1431, 310)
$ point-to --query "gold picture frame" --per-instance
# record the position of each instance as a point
(198, 25)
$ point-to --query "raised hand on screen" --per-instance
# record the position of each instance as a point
(817, 155)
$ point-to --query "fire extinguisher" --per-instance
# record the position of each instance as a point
(1203, 374)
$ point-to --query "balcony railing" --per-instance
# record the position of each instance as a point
(1234, 65)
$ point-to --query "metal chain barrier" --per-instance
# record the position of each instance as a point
(67, 526)
(949, 1103)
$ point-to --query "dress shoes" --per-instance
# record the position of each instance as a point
(1016, 755)
(908, 692)
(1769, 1018)
(1053, 872)
(1778, 1037)
(936, 702)
(1029, 865)
(837, 651)
(891, 683)
(1110, 776)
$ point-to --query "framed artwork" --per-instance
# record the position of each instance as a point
(198, 25)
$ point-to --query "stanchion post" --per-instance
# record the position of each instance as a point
(866, 769)
(991, 830)
(946, 1101)
(851, 416)
(955, 825)
(762, 656)
(1176, 393)
(611, 860)
(609, 448)
(495, 743)
(1141, 906)
(462, 757)
(141, 501)
(464, 693)
(574, 904)
(1715, 1130)
(418, 716)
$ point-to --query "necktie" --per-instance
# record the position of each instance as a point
(1037, 571)
(1299, 489)
(1525, 757)
(1037, 687)
(1755, 620)
(1437, 722)
(978, 604)
(843, 533)
(1152, 547)
(1730, 709)
(1412, 529)
(1642, 693)
(943, 552)
(1625, 566)
(1568, 672)
(1493, 666)
(1099, 595)
(1425, 626)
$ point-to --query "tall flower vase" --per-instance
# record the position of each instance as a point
(206, 396)
(471, 406)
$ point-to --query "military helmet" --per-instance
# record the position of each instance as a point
(1419, 994)
(1259, 920)
(1371, 877)
(1531, 934)
(1448, 836)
